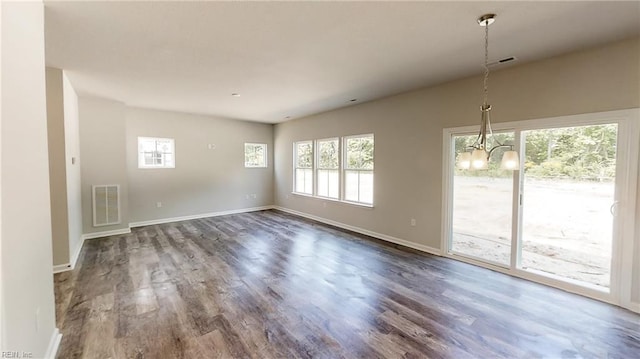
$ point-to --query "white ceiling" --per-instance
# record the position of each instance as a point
(291, 59)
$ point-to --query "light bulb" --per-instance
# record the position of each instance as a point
(510, 161)
(479, 159)
(464, 160)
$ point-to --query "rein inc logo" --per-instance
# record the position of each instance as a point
(16, 354)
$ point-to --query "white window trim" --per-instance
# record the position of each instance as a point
(344, 169)
(620, 289)
(295, 168)
(316, 168)
(341, 155)
(266, 157)
(141, 164)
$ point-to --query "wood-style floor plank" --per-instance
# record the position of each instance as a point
(271, 285)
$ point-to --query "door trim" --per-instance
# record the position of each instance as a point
(620, 288)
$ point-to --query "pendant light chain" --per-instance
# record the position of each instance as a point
(486, 63)
(480, 152)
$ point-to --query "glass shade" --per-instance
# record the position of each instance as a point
(479, 159)
(464, 160)
(510, 161)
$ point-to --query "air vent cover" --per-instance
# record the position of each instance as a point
(506, 60)
(106, 205)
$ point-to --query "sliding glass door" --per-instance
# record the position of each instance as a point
(568, 202)
(561, 218)
(482, 208)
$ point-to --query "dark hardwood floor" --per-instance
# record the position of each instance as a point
(271, 285)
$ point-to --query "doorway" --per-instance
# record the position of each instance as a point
(565, 218)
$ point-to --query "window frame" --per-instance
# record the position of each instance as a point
(163, 165)
(264, 155)
(341, 168)
(622, 248)
(345, 169)
(296, 168)
(316, 168)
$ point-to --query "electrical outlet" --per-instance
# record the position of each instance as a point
(413, 222)
(254, 195)
(158, 204)
(246, 196)
(211, 146)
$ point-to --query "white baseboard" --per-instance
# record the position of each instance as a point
(114, 232)
(197, 216)
(165, 220)
(634, 307)
(76, 253)
(59, 268)
(54, 344)
(384, 237)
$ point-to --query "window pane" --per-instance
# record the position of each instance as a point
(334, 184)
(482, 206)
(304, 183)
(323, 183)
(255, 155)
(351, 186)
(359, 153)
(569, 186)
(299, 180)
(366, 187)
(146, 145)
(155, 152)
(304, 155)
(168, 159)
(163, 145)
(308, 181)
(328, 155)
(328, 183)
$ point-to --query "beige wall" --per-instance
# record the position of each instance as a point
(57, 167)
(204, 180)
(72, 158)
(64, 167)
(27, 314)
(103, 148)
(408, 132)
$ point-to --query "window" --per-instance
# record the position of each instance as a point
(304, 167)
(328, 169)
(255, 155)
(342, 168)
(156, 152)
(358, 169)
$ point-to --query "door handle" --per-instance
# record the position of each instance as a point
(613, 208)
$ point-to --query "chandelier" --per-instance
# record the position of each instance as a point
(478, 154)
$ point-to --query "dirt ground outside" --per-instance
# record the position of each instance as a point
(567, 226)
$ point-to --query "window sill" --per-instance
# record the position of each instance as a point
(356, 204)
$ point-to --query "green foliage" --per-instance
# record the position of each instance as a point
(583, 152)
(328, 154)
(359, 153)
(254, 155)
(304, 154)
(463, 143)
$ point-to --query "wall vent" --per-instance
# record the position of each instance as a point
(503, 61)
(106, 205)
